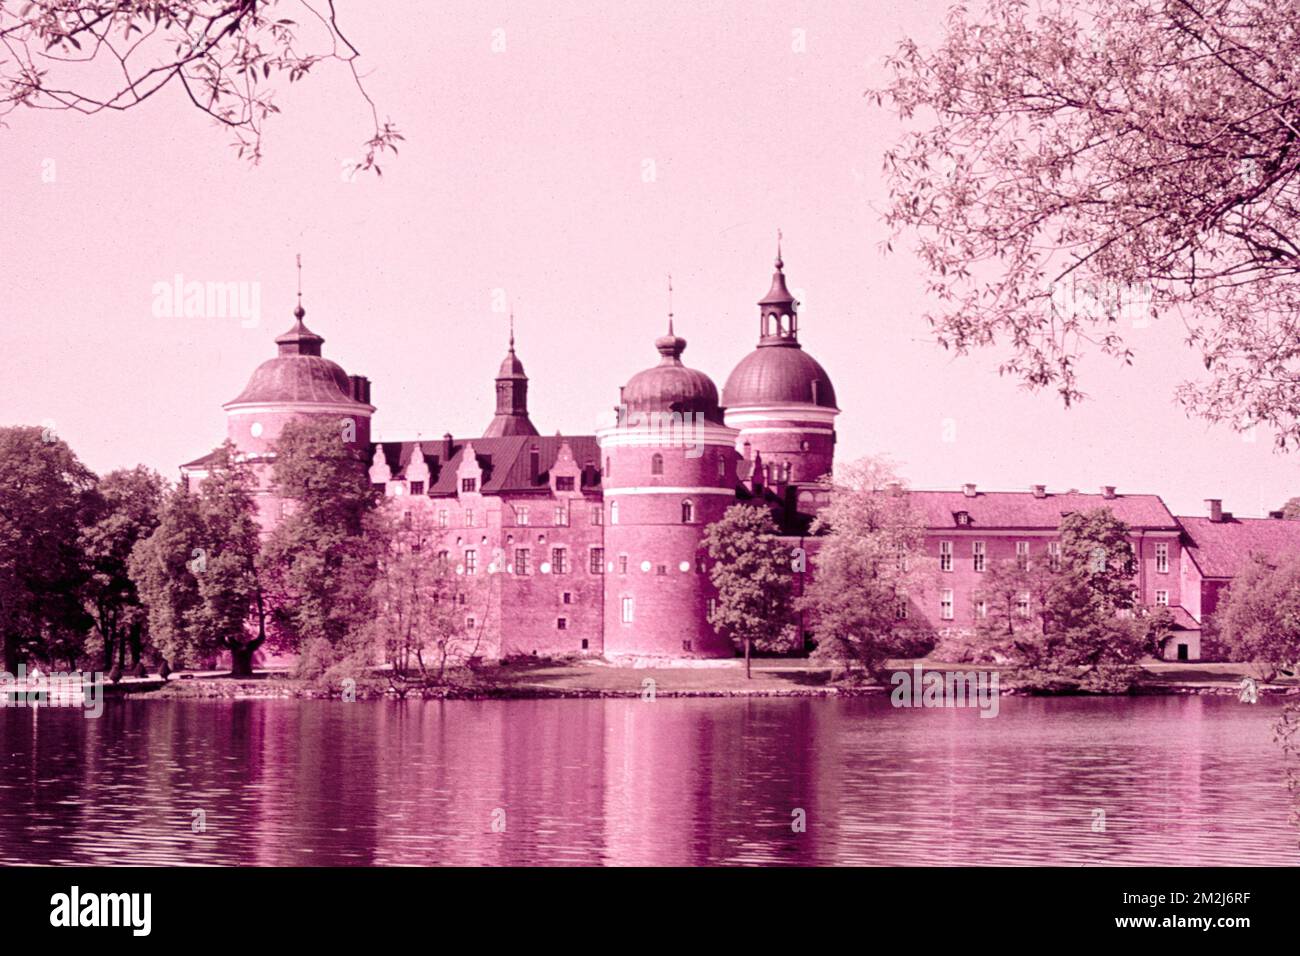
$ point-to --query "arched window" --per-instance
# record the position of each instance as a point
(688, 511)
(607, 466)
(613, 512)
(657, 464)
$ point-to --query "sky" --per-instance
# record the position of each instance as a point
(564, 176)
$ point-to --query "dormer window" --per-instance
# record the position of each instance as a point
(961, 517)
(417, 487)
(468, 484)
(564, 483)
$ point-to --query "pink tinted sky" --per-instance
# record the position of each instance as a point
(523, 170)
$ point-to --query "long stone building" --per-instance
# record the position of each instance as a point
(590, 544)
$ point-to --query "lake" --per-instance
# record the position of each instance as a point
(1180, 780)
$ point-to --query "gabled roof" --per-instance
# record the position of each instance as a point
(1221, 549)
(1023, 509)
(203, 462)
(505, 461)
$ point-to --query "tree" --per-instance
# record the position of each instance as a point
(420, 602)
(46, 495)
(202, 574)
(865, 572)
(126, 510)
(1291, 510)
(1014, 600)
(1089, 617)
(1076, 163)
(92, 56)
(752, 573)
(323, 551)
(1259, 619)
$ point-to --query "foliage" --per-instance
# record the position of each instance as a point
(1076, 164)
(866, 570)
(46, 495)
(752, 571)
(1258, 618)
(92, 56)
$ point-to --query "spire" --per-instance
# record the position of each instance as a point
(511, 416)
(299, 340)
(778, 318)
(670, 346)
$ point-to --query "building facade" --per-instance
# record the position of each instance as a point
(591, 544)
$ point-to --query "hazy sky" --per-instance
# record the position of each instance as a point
(525, 170)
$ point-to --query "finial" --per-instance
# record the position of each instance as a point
(779, 263)
(670, 303)
(512, 328)
(299, 312)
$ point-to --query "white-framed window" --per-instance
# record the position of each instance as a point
(945, 555)
(628, 610)
(1162, 557)
(622, 564)
(523, 561)
(469, 517)
(978, 554)
(596, 561)
(522, 517)
(613, 512)
(656, 464)
(561, 516)
(1022, 604)
(471, 560)
(945, 604)
(981, 609)
(722, 467)
(1162, 597)
(560, 560)
(442, 518)
(1054, 555)
(1022, 555)
(469, 484)
(597, 514)
(688, 511)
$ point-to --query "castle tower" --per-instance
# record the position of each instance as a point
(511, 416)
(669, 471)
(298, 382)
(780, 398)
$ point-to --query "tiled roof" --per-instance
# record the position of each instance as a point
(505, 461)
(1183, 619)
(1221, 549)
(1023, 509)
(204, 461)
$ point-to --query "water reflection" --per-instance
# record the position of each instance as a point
(1180, 780)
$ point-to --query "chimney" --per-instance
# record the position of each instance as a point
(1040, 491)
(446, 448)
(359, 388)
(1108, 491)
(1215, 505)
(968, 490)
(747, 448)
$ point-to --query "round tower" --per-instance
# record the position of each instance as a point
(780, 398)
(669, 471)
(298, 382)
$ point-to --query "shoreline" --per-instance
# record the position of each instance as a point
(587, 679)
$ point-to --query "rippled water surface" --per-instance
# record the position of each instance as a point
(1181, 780)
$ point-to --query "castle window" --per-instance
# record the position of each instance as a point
(564, 483)
(699, 564)
(627, 610)
(1054, 555)
(722, 467)
(900, 608)
(1162, 558)
(584, 643)
(406, 519)
(606, 466)
(1022, 604)
(597, 514)
(469, 484)
(945, 604)
(523, 564)
(981, 609)
(597, 561)
(945, 555)
(1022, 555)
(469, 517)
(378, 486)
(560, 560)
(471, 561)
(566, 598)
(417, 487)
(661, 570)
(622, 564)
(521, 517)
(561, 516)
(442, 518)
(688, 511)
(613, 512)
(977, 555)
(1162, 598)
(443, 557)
(805, 446)
(656, 464)
(561, 623)
(686, 645)
(469, 624)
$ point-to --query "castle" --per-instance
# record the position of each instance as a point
(593, 541)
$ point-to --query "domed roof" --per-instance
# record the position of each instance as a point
(778, 375)
(672, 387)
(778, 371)
(298, 373)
